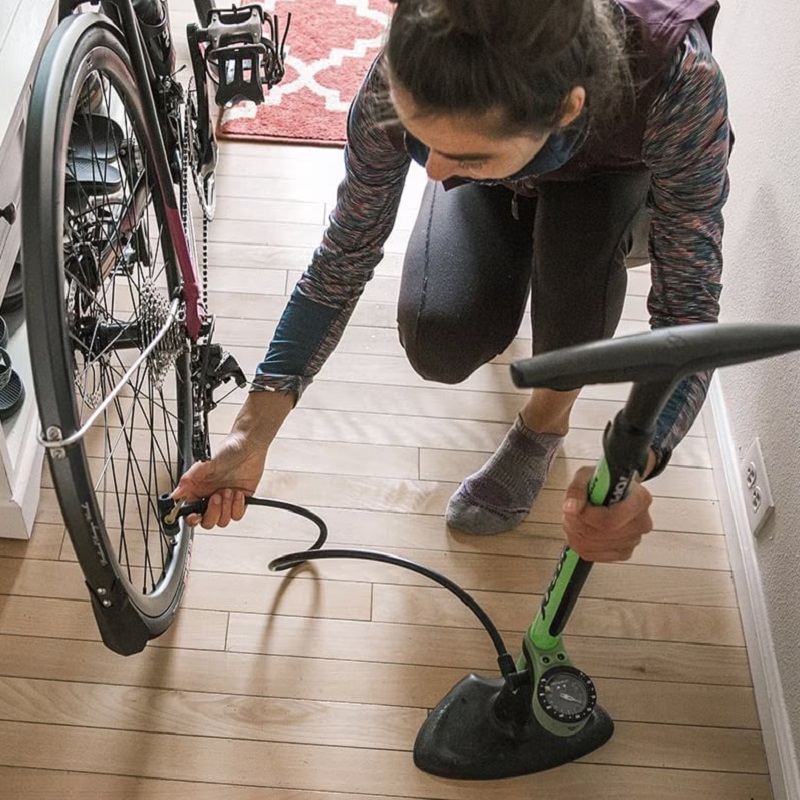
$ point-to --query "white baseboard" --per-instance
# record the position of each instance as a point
(776, 730)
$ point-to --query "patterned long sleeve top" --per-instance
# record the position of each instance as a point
(686, 148)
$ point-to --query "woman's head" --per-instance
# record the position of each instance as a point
(510, 68)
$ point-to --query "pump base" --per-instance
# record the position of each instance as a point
(464, 739)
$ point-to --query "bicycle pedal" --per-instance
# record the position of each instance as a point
(238, 73)
(238, 57)
(228, 25)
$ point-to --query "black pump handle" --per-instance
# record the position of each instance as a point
(663, 355)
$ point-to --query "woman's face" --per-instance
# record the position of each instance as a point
(466, 146)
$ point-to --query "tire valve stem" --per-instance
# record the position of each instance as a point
(169, 510)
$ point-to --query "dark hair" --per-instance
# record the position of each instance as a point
(520, 56)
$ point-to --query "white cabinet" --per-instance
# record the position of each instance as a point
(24, 26)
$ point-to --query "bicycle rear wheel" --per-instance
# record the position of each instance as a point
(101, 282)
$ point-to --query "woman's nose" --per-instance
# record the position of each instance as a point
(438, 167)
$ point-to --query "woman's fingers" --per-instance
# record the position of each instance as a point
(605, 533)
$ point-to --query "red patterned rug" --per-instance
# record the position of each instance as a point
(330, 46)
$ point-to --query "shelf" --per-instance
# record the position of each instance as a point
(23, 31)
(14, 428)
(21, 451)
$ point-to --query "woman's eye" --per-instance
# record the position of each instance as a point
(470, 165)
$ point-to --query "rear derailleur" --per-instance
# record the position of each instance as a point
(211, 368)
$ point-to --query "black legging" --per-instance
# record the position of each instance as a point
(470, 266)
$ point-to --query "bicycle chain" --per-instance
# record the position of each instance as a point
(200, 437)
(190, 163)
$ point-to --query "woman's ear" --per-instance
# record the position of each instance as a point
(573, 106)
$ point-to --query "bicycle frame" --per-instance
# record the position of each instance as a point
(130, 32)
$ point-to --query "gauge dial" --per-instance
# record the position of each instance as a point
(566, 694)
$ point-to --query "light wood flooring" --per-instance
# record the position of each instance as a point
(315, 687)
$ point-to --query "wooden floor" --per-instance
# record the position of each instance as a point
(315, 687)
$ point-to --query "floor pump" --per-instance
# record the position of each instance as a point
(546, 713)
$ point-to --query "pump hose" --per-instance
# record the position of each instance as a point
(315, 552)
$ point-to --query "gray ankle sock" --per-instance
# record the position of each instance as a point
(500, 495)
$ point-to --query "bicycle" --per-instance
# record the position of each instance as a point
(115, 282)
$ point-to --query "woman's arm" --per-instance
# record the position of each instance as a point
(352, 246)
(686, 147)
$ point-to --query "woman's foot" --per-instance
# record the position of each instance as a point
(500, 495)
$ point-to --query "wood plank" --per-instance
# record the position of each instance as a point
(444, 404)
(680, 482)
(398, 372)
(253, 256)
(296, 260)
(45, 541)
(205, 714)
(430, 497)
(237, 279)
(593, 410)
(466, 646)
(389, 530)
(466, 435)
(359, 682)
(682, 747)
(276, 164)
(345, 459)
(73, 619)
(490, 573)
(338, 769)
(37, 784)
(267, 594)
(40, 578)
(690, 550)
(313, 722)
(254, 186)
(249, 591)
(344, 681)
(256, 209)
(48, 512)
(282, 234)
(611, 783)
(701, 705)
(592, 616)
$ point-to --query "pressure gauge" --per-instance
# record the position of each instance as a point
(566, 694)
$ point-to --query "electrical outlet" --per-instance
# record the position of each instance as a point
(758, 497)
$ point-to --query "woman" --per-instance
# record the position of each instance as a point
(549, 130)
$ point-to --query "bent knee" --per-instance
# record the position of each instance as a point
(446, 361)
(441, 367)
(449, 350)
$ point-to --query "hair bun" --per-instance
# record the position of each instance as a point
(543, 27)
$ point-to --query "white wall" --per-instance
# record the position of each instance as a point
(758, 46)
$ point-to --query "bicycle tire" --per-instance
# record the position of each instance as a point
(99, 268)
